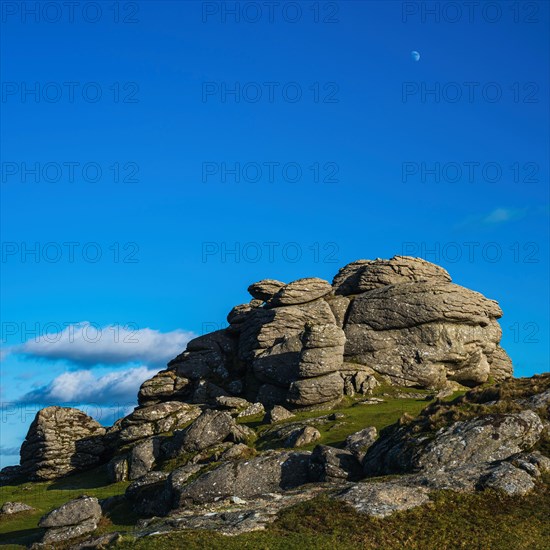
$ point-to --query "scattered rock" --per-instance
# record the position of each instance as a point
(9, 508)
(303, 436)
(252, 410)
(277, 414)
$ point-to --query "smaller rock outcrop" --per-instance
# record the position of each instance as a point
(60, 441)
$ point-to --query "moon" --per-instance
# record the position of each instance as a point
(415, 55)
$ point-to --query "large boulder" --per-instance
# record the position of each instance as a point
(268, 473)
(148, 494)
(322, 350)
(142, 457)
(72, 519)
(265, 289)
(359, 442)
(209, 428)
(266, 327)
(364, 275)
(210, 358)
(166, 385)
(301, 292)
(422, 334)
(308, 343)
(315, 391)
(60, 441)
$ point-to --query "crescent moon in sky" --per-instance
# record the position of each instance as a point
(415, 55)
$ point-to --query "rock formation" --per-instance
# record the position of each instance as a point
(308, 343)
(60, 441)
(193, 447)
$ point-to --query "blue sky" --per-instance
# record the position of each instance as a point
(345, 146)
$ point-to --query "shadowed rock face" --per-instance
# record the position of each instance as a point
(61, 440)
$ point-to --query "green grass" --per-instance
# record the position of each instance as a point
(487, 520)
(22, 529)
(356, 417)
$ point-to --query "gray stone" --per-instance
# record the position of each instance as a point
(381, 499)
(252, 410)
(303, 436)
(62, 534)
(117, 468)
(73, 512)
(232, 403)
(209, 428)
(322, 350)
(364, 275)
(9, 508)
(238, 452)
(266, 327)
(301, 292)
(423, 334)
(149, 494)
(277, 414)
(267, 473)
(483, 439)
(314, 391)
(332, 464)
(359, 442)
(142, 457)
(510, 480)
(151, 420)
(265, 289)
(339, 306)
(166, 385)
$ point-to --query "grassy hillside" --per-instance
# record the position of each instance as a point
(483, 520)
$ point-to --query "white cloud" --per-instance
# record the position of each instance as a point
(114, 388)
(501, 215)
(89, 344)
